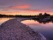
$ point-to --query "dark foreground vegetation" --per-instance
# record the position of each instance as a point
(41, 18)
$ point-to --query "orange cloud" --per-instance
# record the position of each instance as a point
(20, 6)
(22, 13)
(8, 13)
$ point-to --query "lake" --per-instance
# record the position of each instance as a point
(45, 29)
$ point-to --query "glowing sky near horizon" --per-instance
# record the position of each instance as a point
(26, 7)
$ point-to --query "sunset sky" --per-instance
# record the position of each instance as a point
(26, 7)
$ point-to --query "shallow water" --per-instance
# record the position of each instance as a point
(2, 20)
(45, 29)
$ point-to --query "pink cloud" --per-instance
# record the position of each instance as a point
(34, 10)
(26, 6)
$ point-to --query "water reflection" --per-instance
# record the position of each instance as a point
(2, 20)
(37, 26)
(45, 29)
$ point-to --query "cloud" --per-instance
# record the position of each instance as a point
(39, 10)
(34, 10)
(26, 6)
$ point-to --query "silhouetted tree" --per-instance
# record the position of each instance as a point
(40, 16)
(45, 14)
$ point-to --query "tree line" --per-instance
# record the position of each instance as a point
(41, 18)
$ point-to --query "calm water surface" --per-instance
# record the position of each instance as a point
(45, 29)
